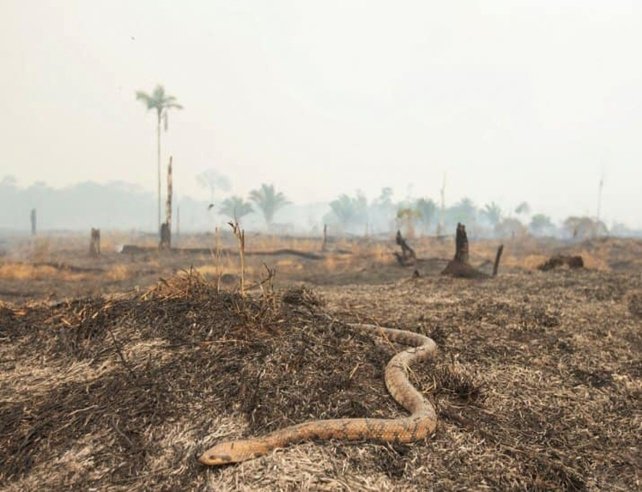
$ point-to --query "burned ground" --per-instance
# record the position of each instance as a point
(537, 379)
(537, 384)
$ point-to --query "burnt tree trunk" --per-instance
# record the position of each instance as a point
(166, 227)
(165, 237)
(94, 244)
(33, 221)
(459, 266)
(498, 257)
(461, 244)
(324, 245)
(407, 256)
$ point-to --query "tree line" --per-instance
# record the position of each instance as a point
(119, 205)
(355, 214)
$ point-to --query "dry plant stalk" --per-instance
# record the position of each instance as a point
(216, 256)
(240, 236)
(267, 292)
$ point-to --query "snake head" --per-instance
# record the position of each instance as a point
(229, 452)
(215, 457)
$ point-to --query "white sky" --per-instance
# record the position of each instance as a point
(513, 99)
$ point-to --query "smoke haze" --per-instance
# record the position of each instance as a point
(512, 101)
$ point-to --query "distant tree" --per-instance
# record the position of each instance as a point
(427, 211)
(212, 180)
(463, 211)
(622, 230)
(584, 227)
(492, 213)
(523, 209)
(350, 211)
(9, 194)
(268, 201)
(385, 197)
(161, 102)
(406, 217)
(540, 224)
(9, 181)
(381, 212)
(236, 207)
(510, 227)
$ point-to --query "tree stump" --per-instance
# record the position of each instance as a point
(459, 266)
(324, 245)
(94, 244)
(33, 221)
(461, 244)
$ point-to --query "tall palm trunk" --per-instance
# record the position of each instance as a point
(158, 142)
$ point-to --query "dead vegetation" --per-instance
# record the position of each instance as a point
(558, 261)
(537, 385)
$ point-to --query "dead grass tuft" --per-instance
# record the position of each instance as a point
(302, 296)
(453, 379)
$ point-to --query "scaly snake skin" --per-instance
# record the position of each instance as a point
(421, 422)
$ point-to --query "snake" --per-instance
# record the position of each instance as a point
(421, 422)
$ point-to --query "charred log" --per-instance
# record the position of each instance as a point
(165, 237)
(558, 261)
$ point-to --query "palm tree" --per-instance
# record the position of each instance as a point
(268, 201)
(350, 211)
(162, 103)
(235, 207)
(492, 213)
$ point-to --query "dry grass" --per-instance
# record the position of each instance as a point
(537, 383)
(118, 272)
(26, 272)
(40, 249)
(68, 271)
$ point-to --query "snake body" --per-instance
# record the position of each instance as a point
(420, 423)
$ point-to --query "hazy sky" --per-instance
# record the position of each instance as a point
(512, 99)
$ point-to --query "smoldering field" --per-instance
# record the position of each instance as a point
(117, 371)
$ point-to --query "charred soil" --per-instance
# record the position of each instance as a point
(537, 383)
